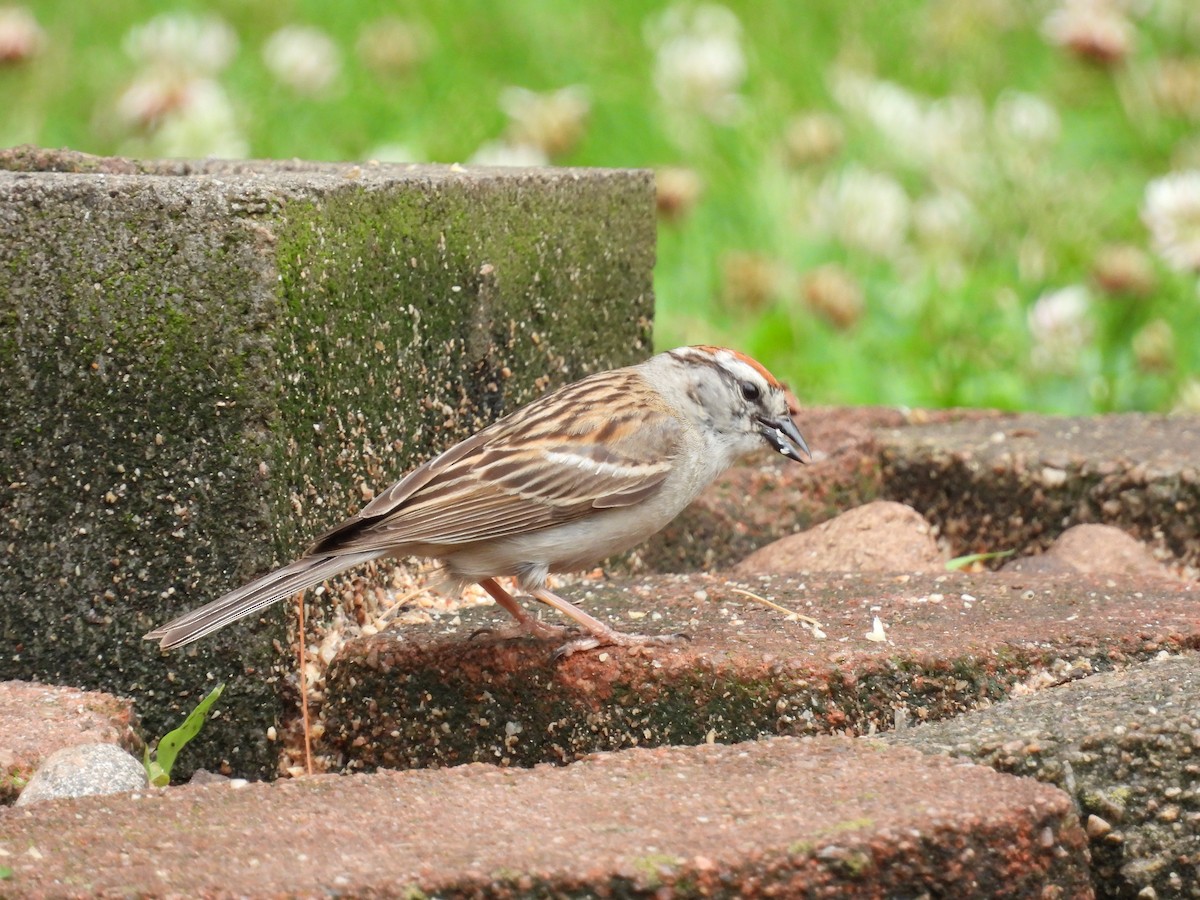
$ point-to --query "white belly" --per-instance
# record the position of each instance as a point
(582, 543)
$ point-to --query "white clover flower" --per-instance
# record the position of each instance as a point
(1175, 84)
(946, 220)
(152, 96)
(677, 191)
(1026, 119)
(813, 138)
(502, 153)
(304, 58)
(699, 62)
(891, 109)
(183, 42)
(863, 209)
(833, 293)
(944, 134)
(1171, 210)
(1061, 327)
(749, 281)
(1097, 30)
(21, 37)
(954, 127)
(1188, 398)
(203, 126)
(553, 122)
(393, 46)
(1154, 346)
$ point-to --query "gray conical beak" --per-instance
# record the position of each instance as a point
(784, 436)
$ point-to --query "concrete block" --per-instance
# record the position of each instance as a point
(441, 694)
(1019, 481)
(1124, 745)
(205, 364)
(813, 818)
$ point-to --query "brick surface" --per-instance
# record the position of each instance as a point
(1019, 481)
(813, 818)
(1125, 745)
(433, 695)
(210, 363)
(1094, 548)
(880, 536)
(38, 719)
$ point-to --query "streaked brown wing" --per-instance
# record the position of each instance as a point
(530, 470)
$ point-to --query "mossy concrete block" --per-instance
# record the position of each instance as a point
(822, 818)
(444, 694)
(1124, 745)
(205, 364)
(1019, 481)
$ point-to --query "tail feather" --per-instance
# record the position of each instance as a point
(257, 595)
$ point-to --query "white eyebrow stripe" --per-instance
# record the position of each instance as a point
(596, 467)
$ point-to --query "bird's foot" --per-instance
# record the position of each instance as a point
(613, 638)
(526, 625)
(527, 628)
(598, 634)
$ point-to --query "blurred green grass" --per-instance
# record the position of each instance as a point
(939, 325)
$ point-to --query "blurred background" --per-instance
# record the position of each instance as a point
(952, 202)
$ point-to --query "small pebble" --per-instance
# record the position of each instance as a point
(83, 770)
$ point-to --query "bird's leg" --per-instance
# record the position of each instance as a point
(600, 635)
(525, 622)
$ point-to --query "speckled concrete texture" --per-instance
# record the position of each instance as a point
(434, 695)
(819, 818)
(1125, 745)
(209, 363)
(1019, 481)
(38, 719)
(81, 771)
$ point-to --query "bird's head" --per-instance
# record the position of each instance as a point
(735, 399)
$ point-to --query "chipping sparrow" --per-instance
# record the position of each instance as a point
(582, 473)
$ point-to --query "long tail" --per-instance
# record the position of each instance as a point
(258, 594)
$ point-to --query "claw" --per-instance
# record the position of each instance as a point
(573, 647)
(533, 629)
(616, 639)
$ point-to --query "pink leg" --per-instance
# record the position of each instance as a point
(601, 635)
(525, 622)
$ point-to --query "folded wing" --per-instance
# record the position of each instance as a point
(532, 470)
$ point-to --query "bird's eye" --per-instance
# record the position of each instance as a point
(750, 391)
